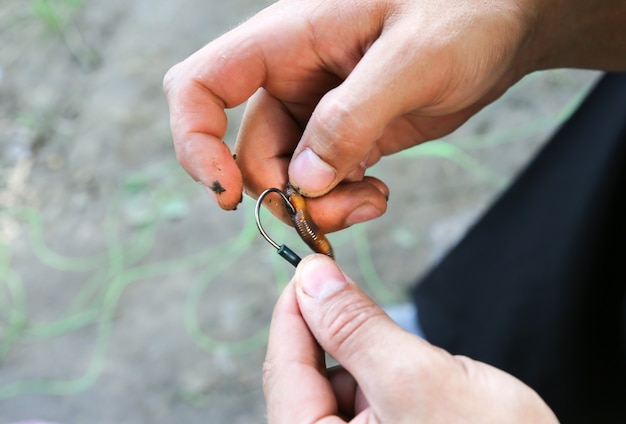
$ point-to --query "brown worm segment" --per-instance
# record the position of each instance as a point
(304, 224)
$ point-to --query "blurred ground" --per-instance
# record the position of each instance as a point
(125, 295)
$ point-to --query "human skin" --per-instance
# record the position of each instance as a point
(335, 85)
(388, 375)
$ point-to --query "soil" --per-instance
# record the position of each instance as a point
(126, 296)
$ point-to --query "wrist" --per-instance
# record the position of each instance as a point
(578, 34)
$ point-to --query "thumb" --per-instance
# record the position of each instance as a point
(340, 137)
(346, 322)
(403, 377)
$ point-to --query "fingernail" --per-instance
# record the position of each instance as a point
(320, 277)
(310, 173)
(362, 214)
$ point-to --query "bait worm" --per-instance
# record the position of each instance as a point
(304, 224)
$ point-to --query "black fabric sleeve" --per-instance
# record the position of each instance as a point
(537, 286)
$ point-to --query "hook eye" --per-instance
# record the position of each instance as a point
(284, 251)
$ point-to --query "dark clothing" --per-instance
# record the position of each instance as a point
(538, 286)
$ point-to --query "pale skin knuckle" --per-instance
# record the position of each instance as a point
(168, 80)
(341, 128)
(171, 78)
(183, 158)
(346, 325)
(467, 365)
(268, 375)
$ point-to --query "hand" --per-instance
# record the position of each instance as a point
(388, 375)
(336, 85)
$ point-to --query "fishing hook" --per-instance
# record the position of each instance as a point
(284, 251)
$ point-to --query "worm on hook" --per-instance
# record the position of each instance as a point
(304, 224)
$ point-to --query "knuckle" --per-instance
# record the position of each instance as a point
(169, 78)
(268, 374)
(339, 123)
(348, 325)
(183, 158)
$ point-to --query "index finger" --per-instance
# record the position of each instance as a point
(221, 75)
(294, 374)
(197, 99)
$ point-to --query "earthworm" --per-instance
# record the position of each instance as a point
(304, 224)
